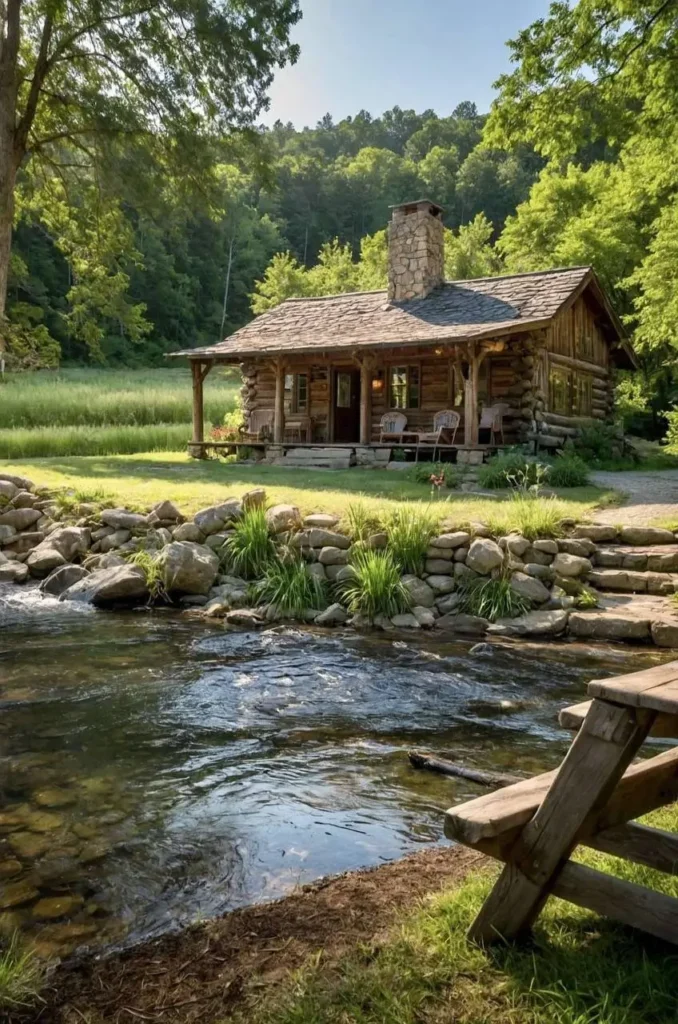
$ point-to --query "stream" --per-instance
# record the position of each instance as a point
(156, 769)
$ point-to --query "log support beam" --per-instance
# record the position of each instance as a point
(279, 408)
(366, 364)
(199, 371)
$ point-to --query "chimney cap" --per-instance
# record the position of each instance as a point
(419, 204)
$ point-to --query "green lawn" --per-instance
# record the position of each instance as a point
(142, 479)
(579, 969)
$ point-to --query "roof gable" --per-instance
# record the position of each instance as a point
(456, 311)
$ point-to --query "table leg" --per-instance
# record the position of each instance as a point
(600, 754)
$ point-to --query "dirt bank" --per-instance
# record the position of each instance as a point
(204, 973)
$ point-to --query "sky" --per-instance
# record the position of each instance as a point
(376, 54)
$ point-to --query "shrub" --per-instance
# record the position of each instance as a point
(568, 470)
(596, 443)
(250, 550)
(409, 531)
(505, 469)
(450, 474)
(288, 585)
(360, 522)
(375, 587)
(491, 598)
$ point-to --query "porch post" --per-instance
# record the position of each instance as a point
(198, 406)
(471, 400)
(366, 400)
(279, 412)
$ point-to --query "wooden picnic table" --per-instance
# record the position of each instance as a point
(592, 799)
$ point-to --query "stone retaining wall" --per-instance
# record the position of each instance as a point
(84, 556)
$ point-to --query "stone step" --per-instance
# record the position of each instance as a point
(633, 582)
(653, 558)
(327, 463)
(312, 454)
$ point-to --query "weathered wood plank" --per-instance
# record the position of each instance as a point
(627, 689)
(664, 725)
(651, 847)
(598, 757)
(625, 902)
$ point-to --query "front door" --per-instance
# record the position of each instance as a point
(347, 405)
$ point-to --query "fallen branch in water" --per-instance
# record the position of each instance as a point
(419, 759)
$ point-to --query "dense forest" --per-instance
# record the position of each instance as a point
(122, 252)
(313, 193)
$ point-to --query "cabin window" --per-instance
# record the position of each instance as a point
(559, 391)
(404, 387)
(296, 392)
(583, 395)
(585, 347)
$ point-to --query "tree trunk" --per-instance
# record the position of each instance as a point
(6, 217)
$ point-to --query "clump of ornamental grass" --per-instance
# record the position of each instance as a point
(409, 531)
(491, 598)
(150, 564)
(568, 470)
(375, 586)
(250, 550)
(68, 501)
(586, 598)
(287, 584)
(528, 514)
(360, 521)
(21, 975)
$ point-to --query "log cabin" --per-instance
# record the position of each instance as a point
(321, 374)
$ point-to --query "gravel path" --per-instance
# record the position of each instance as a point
(650, 496)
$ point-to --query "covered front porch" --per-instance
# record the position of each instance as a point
(380, 401)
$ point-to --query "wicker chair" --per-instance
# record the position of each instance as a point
(446, 420)
(392, 427)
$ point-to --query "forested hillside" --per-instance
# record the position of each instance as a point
(296, 191)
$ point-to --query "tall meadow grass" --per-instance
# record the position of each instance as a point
(60, 442)
(106, 398)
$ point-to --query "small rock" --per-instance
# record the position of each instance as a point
(438, 566)
(451, 540)
(448, 604)
(28, 845)
(244, 617)
(424, 616)
(461, 554)
(582, 547)
(9, 868)
(665, 632)
(317, 570)
(167, 512)
(530, 588)
(43, 821)
(548, 547)
(377, 541)
(406, 620)
(335, 615)
(54, 797)
(441, 584)
(419, 591)
(20, 518)
(339, 573)
(570, 565)
(13, 572)
(8, 489)
(515, 543)
(542, 572)
(444, 554)
(122, 519)
(7, 534)
(333, 556)
(188, 531)
(114, 540)
(469, 625)
(323, 520)
(283, 518)
(317, 538)
(484, 555)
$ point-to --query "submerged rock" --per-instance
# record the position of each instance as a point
(52, 907)
(16, 893)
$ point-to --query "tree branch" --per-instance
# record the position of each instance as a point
(39, 75)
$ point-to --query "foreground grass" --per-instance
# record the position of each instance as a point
(142, 479)
(106, 398)
(579, 969)
(21, 976)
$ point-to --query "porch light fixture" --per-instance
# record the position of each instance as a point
(378, 382)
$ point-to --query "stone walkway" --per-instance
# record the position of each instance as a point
(650, 496)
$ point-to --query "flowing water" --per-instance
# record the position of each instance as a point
(155, 769)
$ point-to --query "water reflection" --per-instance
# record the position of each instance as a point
(156, 770)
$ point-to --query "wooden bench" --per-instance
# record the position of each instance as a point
(592, 799)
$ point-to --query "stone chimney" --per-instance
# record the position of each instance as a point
(415, 250)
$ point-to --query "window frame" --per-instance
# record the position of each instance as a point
(411, 387)
(294, 389)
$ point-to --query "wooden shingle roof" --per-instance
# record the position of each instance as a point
(456, 311)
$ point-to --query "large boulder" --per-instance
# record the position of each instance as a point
(22, 483)
(122, 519)
(63, 578)
(570, 565)
(20, 518)
(419, 591)
(539, 623)
(188, 568)
(118, 585)
(8, 489)
(256, 498)
(529, 587)
(213, 519)
(283, 518)
(63, 545)
(484, 555)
